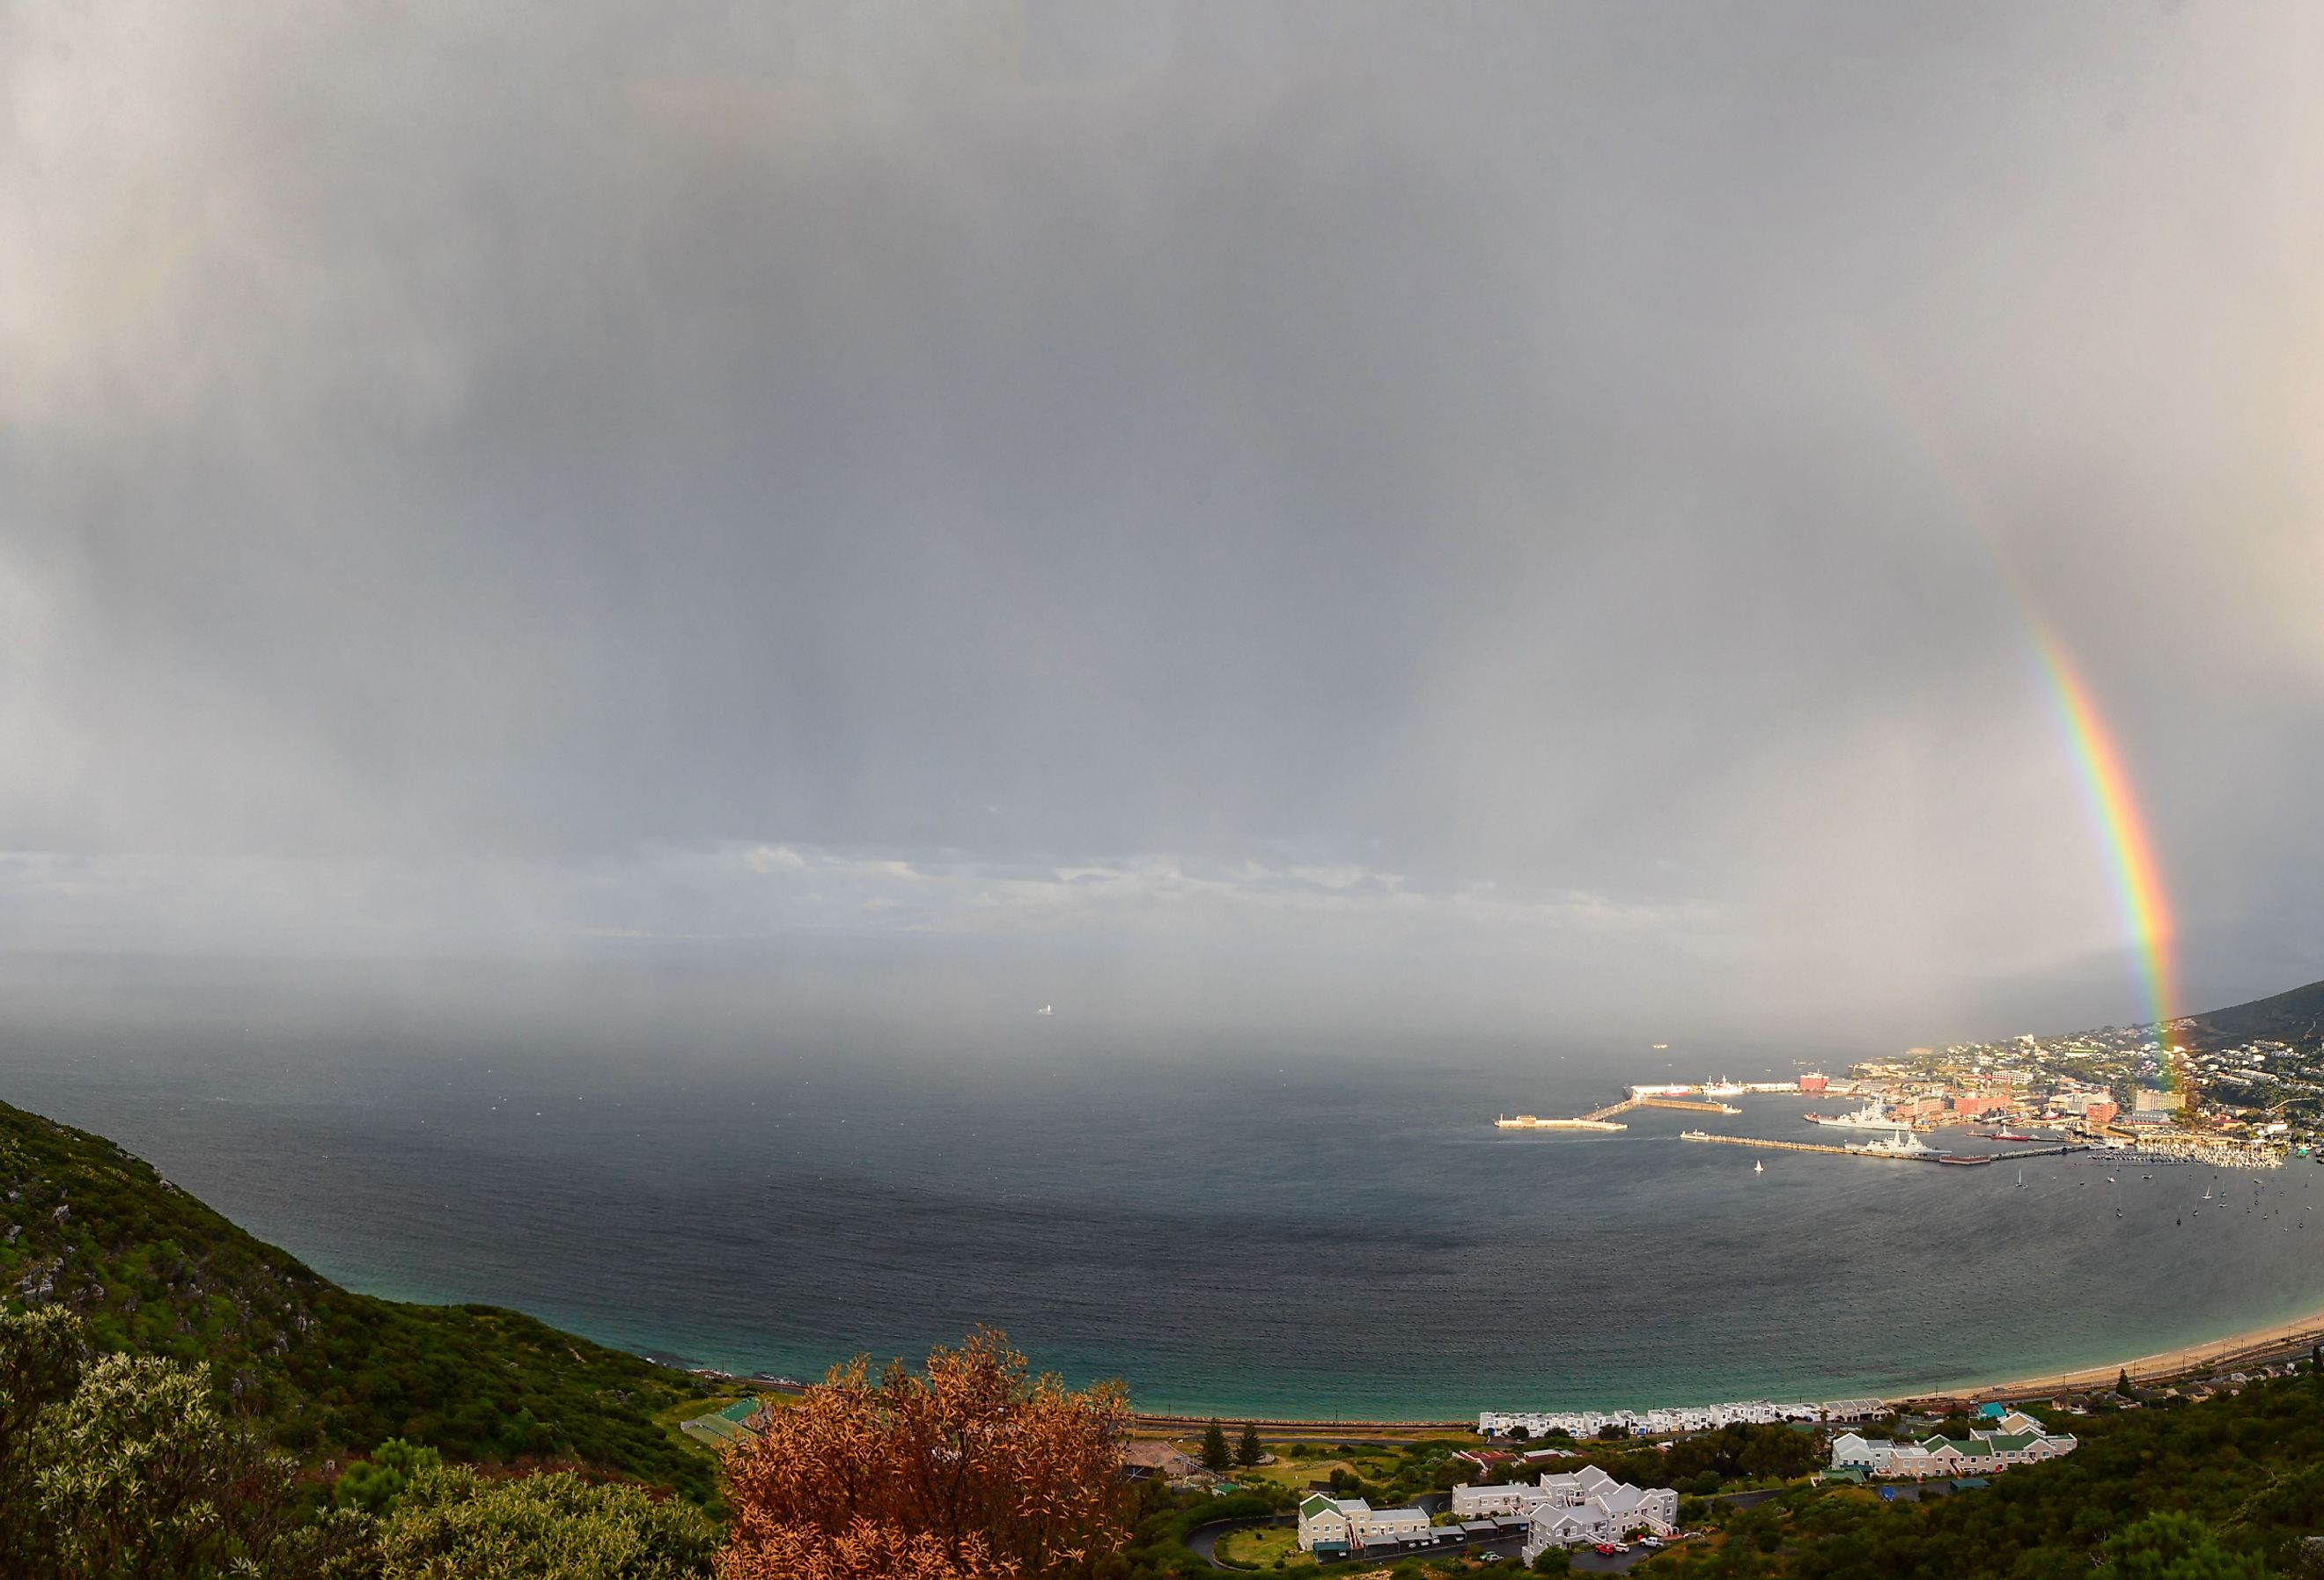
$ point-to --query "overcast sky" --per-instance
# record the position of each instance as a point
(1533, 512)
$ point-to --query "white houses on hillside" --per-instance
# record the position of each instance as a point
(1333, 1527)
(1565, 1511)
(2017, 1439)
(1701, 1417)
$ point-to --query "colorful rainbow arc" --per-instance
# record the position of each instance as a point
(2113, 811)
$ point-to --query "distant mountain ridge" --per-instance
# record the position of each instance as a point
(87, 1225)
(2296, 1017)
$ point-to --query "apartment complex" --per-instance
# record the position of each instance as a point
(2017, 1439)
(1567, 1510)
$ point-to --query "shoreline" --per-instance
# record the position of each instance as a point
(2252, 1345)
(2258, 1343)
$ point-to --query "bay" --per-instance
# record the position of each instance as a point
(1244, 1224)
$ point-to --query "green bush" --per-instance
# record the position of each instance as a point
(451, 1521)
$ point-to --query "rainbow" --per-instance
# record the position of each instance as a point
(2121, 830)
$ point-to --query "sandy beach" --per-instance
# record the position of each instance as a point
(2255, 1345)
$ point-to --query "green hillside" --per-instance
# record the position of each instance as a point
(85, 1225)
(2296, 1017)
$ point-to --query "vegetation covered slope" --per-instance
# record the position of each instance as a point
(2246, 1470)
(2296, 1017)
(85, 1225)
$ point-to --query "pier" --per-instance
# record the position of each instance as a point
(1602, 1119)
(1924, 1157)
(1704, 1135)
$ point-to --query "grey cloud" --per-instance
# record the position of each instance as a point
(1589, 450)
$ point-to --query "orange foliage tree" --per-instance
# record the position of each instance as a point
(973, 1471)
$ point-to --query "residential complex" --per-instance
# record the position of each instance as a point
(1568, 1510)
(1702, 1418)
(1336, 1528)
(2015, 1440)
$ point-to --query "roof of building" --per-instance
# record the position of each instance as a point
(1154, 1454)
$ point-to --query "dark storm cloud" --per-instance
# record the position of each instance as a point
(1597, 461)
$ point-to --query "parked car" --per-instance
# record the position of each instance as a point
(1606, 1549)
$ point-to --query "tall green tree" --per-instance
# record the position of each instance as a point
(2170, 1546)
(1217, 1458)
(373, 1485)
(1250, 1450)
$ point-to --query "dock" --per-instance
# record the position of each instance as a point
(1704, 1135)
(1925, 1157)
(1602, 1119)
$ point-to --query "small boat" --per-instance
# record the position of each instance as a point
(1758, 1167)
(2021, 1179)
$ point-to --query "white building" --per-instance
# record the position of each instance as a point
(1588, 1506)
(1335, 1527)
(1496, 1503)
(1697, 1417)
(2023, 1441)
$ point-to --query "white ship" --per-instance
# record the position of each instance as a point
(1871, 1116)
(1902, 1143)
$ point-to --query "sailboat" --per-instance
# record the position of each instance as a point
(1758, 1167)
(2021, 1179)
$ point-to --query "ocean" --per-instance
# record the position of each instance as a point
(1238, 1225)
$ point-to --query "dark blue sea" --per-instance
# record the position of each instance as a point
(1246, 1223)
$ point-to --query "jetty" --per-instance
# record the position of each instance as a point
(1923, 1155)
(1602, 1119)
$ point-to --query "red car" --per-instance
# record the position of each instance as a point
(1606, 1549)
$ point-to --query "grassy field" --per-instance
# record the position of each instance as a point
(1262, 1548)
(1297, 1464)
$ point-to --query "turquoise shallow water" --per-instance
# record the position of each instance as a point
(1243, 1226)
